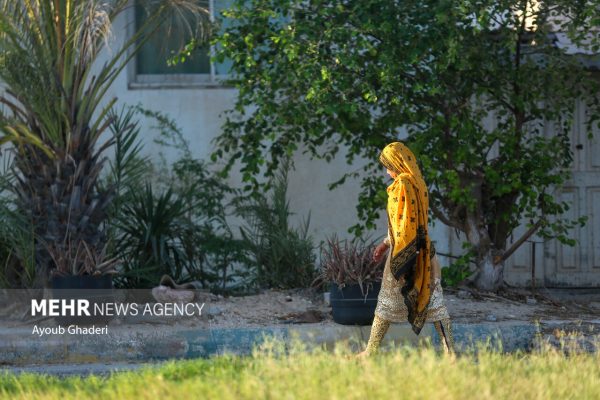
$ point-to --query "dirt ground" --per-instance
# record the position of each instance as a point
(566, 308)
(464, 305)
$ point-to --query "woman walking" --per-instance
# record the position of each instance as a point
(411, 289)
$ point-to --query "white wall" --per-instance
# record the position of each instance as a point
(197, 111)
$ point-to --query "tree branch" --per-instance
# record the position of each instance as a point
(442, 217)
(518, 243)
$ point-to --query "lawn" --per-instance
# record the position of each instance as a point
(300, 372)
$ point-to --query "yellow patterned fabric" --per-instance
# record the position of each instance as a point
(407, 210)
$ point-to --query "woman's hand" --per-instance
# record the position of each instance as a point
(379, 251)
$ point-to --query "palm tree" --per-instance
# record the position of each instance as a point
(56, 108)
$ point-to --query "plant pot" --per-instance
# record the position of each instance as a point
(95, 289)
(350, 306)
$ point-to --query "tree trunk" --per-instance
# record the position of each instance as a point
(65, 204)
(489, 276)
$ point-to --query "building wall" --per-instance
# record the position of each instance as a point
(197, 110)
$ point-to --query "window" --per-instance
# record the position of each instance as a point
(149, 67)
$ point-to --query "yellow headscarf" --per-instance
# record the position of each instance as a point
(407, 210)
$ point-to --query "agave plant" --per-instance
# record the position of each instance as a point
(54, 98)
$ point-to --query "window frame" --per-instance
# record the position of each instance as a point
(171, 81)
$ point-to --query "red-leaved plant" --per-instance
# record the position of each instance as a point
(349, 262)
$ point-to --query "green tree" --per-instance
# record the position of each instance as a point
(355, 74)
(56, 93)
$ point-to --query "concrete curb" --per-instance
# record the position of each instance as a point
(18, 346)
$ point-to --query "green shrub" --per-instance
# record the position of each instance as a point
(457, 272)
(149, 239)
(209, 242)
(17, 238)
(170, 218)
(282, 256)
(17, 249)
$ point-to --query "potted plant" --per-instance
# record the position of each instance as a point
(354, 279)
(81, 272)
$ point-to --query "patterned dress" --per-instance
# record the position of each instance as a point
(390, 302)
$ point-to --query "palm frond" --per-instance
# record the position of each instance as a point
(56, 110)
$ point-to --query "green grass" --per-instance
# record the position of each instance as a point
(301, 372)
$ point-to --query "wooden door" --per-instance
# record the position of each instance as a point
(559, 265)
(579, 266)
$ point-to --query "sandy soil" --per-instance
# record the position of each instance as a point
(272, 307)
(464, 305)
